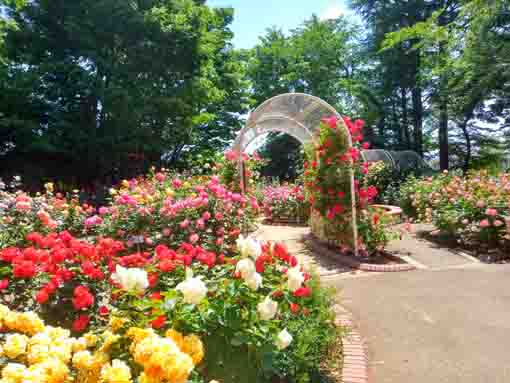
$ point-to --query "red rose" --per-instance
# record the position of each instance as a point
(82, 298)
(24, 269)
(42, 296)
(260, 264)
(294, 307)
(81, 323)
(156, 296)
(302, 292)
(153, 279)
(104, 311)
(159, 322)
(166, 265)
(3, 284)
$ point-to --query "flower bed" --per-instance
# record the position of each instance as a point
(474, 210)
(286, 203)
(162, 288)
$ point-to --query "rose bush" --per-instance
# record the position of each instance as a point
(472, 208)
(21, 214)
(286, 202)
(167, 257)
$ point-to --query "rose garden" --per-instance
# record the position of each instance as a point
(235, 191)
(165, 283)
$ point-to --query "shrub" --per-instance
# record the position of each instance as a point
(471, 208)
(286, 201)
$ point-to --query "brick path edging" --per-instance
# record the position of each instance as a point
(355, 355)
(349, 261)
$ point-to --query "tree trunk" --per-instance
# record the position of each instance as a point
(417, 109)
(405, 123)
(465, 132)
(443, 132)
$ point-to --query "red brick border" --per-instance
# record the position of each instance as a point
(276, 222)
(355, 355)
(355, 264)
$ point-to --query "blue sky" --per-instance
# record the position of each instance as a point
(253, 17)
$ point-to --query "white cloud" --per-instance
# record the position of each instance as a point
(333, 11)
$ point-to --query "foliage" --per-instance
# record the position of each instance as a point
(471, 208)
(387, 180)
(230, 174)
(287, 201)
(92, 85)
(284, 155)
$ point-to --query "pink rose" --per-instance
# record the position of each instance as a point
(491, 212)
(498, 223)
(480, 204)
(485, 223)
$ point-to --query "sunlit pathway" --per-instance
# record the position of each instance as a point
(447, 323)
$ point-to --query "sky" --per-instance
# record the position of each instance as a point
(253, 17)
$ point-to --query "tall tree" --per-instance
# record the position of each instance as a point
(110, 80)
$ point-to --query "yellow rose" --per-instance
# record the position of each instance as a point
(15, 345)
(176, 336)
(117, 372)
(116, 323)
(194, 348)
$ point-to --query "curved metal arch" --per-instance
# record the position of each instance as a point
(240, 147)
(287, 95)
(304, 111)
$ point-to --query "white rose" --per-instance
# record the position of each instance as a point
(133, 279)
(193, 289)
(296, 278)
(246, 267)
(248, 247)
(267, 309)
(254, 281)
(283, 340)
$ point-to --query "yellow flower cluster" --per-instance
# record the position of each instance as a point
(46, 354)
(26, 323)
(169, 359)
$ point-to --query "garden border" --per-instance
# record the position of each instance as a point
(322, 249)
(355, 354)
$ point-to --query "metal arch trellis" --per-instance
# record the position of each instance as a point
(296, 114)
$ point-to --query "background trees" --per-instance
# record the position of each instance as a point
(90, 86)
(101, 85)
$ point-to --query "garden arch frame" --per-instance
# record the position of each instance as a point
(298, 115)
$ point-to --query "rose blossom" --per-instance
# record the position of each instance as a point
(133, 279)
(192, 288)
(267, 309)
(296, 278)
(283, 340)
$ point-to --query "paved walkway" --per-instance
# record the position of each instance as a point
(447, 322)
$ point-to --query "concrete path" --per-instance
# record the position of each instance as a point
(448, 322)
